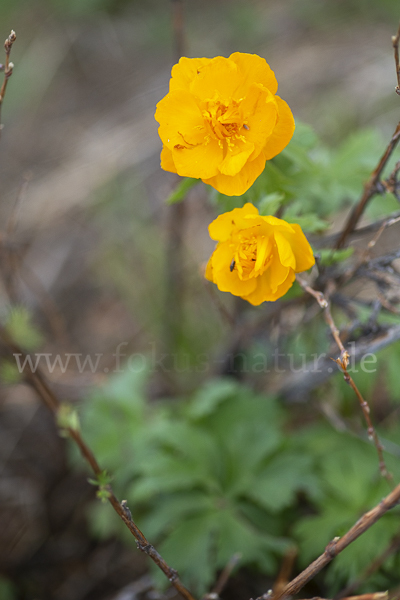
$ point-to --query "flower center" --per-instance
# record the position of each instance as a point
(253, 255)
(224, 122)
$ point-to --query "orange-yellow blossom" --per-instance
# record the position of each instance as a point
(256, 257)
(221, 120)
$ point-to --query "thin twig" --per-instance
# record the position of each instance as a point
(176, 216)
(343, 363)
(371, 188)
(371, 596)
(223, 578)
(285, 571)
(337, 545)
(8, 68)
(395, 42)
(39, 384)
(373, 185)
(393, 547)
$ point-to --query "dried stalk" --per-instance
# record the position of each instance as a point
(371, 596)
(395, 42)
(337, 545)
(8, 67)
(38, 383)
(393, 547)
(343, 363)
(374, 185)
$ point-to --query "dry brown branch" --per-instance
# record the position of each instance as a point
(223, 578)
(374, 185)
(39, 384)
(286, 571)
(343, 363)
(395, 42)
(337, 545)
(176, 223)
(371, 188)
(8, 68)
(393, 547)
(371, 596)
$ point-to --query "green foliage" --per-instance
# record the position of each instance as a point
(351, 485)
(7, 589)
(181, 190)
(328, 257)
(308, 182)
(67, 419)
(21, 329)
(9, 373)
(224, 472)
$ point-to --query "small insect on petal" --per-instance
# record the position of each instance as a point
(246, 127)
(232, 266)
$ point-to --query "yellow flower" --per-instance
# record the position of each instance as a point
(221, 120)
(256, 257)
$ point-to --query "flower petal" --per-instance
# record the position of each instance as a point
(285, 251)
(283, 131)
(181, 120)
(238, 184)
(253, 68)
(260, 113)
(184, 72)
(198, 161)
(216, 80)
(264, 292)
(223, 226)
(167, 162)
(301, 250)
(236, 158)
(226, 279)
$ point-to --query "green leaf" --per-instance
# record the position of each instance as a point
(328, 256)
(67, 417)
(276, 486)
(181, 190)
(21, 329)
(9, 373)
(270, 203)
(210, 396)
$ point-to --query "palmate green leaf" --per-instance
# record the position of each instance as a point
(207, 399)
(362, 552)
(189, 549)
(163, 474)
(235, 534)
(275, 487)
(173, 509)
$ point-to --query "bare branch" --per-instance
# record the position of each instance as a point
(343, 362)
(371, 188)
(337, 545)
(8, 67)
(38, 383)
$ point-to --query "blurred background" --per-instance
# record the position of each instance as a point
(101, 259)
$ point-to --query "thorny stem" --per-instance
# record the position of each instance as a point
(337, 545)
(343, 363)
(39, 384)
(8, 67)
